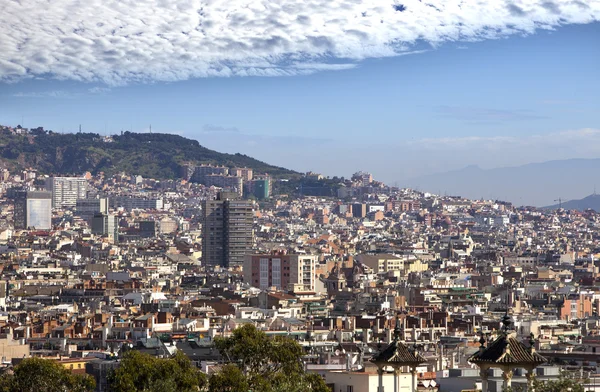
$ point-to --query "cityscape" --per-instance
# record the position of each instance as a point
(380, 287)
(300, 196)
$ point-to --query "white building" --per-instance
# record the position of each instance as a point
(66, 190)
(345, 381)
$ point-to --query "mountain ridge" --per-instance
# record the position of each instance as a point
(152, 155)
(535, 184)
(589, 202)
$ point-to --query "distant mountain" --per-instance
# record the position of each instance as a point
(151, 155)
(537, 184)
(589, 202)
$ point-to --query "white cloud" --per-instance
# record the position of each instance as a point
(117, 42)
(46, 94)
(98, 90)
(582, 140)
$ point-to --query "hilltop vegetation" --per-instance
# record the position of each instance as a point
(152, 155)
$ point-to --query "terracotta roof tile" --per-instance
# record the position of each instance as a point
(506, 350)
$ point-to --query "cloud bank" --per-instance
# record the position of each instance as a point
(118, 42)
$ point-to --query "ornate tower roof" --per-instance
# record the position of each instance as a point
(397, 354)
(507, 350)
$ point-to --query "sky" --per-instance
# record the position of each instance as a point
(400, 89)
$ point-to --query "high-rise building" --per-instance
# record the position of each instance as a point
(87, 208)
(66, 190)
(33, 210)
(282, 271)
(227, 234)
(359, 210)
(106, 225)
(260, 187)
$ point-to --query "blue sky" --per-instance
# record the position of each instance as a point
(428, 107)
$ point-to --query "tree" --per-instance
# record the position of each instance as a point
(44, 375)
(262, 364)
(562, 384)
(144, 373)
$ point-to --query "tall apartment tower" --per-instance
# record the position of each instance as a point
(106, 225)
(66, 190)
(227, 234)
(33, 209)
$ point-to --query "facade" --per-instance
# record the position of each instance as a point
(33, 209)
(260, 187)
(148, 228)
(232, 183)
(87, 208)
(282, 271)
(382, 262)
(244, 172)
(106, 225)
(359, 210)
(348, 381)
(168, 225)
(66, 190)
(577, 307)
(200, 172)
(227, 234)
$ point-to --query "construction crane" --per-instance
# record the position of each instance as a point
(559, 200)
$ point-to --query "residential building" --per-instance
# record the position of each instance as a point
(282, 271)
(33, 209)
(232, 183)
(359, 210)
(66, 190)
(244, 172)
(260, 187)
(200, 172)
(106, 225)
(227, 234)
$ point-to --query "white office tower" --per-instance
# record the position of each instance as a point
(66, 190)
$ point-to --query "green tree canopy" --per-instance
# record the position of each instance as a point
(563, 384)
(262, 364)
(140, 372)
(44, 375)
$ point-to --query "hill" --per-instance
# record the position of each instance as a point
(151, 155)
(590, 202)
(537, 184)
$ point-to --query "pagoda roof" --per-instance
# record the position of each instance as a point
(398, 354)
(505, 350)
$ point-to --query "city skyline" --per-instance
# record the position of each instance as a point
(520, 90)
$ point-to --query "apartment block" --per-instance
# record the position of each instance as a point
(66, 190)
(227, 232)
(282, 271)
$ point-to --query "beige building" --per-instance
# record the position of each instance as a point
(282, 271)
(383, 263)
(344, 381)
(10, 349)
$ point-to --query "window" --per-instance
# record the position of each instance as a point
(349, 388)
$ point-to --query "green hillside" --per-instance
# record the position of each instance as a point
(151, 155)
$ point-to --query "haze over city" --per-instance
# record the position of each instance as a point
(401, 90)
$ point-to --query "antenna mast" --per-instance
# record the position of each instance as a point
(559, 200)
